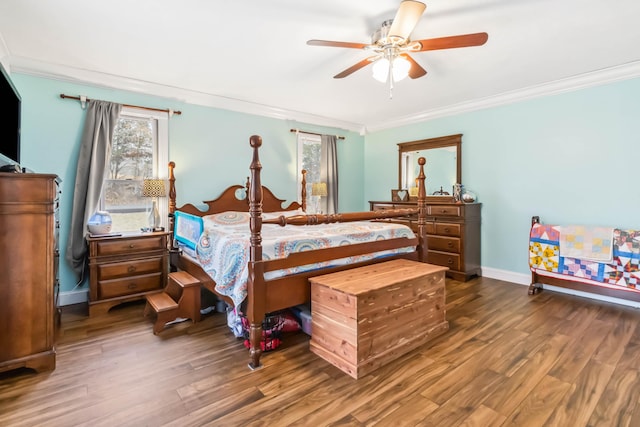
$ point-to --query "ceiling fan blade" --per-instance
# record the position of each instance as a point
(416, 69)
(337, 44)
(355, 67)
(406, 19)
(465, 40)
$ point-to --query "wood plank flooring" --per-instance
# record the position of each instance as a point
(509, 359)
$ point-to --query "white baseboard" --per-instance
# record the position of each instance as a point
(73, 297)
(507, 276)
(525, 279)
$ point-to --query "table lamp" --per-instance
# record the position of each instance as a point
(154, 187)
(319, 189)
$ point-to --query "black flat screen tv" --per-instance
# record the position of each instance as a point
(10, 104)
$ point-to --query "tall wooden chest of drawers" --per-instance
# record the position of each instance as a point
(125, 268)
(453, 234)
(29, 264)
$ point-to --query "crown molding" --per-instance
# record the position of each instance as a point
(582, 81)
(79, 76)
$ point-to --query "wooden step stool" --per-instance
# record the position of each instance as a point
(179, 299)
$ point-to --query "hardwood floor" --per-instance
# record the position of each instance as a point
(509, 359)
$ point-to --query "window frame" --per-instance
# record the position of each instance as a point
(302, 138)
(160, 128)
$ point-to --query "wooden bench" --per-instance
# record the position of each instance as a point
(366, 317)
(179, 299)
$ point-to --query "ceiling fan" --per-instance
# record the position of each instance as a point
(391, 45)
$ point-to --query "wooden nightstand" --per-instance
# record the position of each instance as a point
(126, 268)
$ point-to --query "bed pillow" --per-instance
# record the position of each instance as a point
(227, 218)
(187, 229)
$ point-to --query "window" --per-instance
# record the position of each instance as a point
(309, 157)
(139, 150)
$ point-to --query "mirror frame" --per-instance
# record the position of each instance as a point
(425, 144)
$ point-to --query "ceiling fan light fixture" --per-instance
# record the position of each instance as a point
(381, 70)
(399, 69)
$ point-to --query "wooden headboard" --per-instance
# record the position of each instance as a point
(229, 200)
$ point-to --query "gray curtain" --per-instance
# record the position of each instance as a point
(95, 150)
(329, 173)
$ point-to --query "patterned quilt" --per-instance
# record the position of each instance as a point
(223, 247)
(622, 270)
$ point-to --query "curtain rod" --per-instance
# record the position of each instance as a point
(166, 110)
(313, 133)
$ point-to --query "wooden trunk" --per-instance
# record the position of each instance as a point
(366, 317)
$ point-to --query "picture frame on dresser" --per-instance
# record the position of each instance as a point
(399, 195)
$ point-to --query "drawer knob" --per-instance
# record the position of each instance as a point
(131, 245)
(450, 244)
(131, 269)
(446, 230)
(450, 261)
(132, 286)
(443, 211)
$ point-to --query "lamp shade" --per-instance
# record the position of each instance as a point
(319, 189)
(399, 68)
(153, 188)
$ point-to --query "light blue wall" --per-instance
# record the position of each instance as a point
(210, 147)
(570, 158)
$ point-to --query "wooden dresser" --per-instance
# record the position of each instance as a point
(126, 268)
(453, 234)
(29, 264)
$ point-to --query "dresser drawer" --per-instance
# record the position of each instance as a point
(127, 246)
(385, 207)
(445, 259)
(445, 229)
(116, 270)
(443, 243)
(128, 286)
(444, 210)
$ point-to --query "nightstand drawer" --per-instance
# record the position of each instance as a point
(116, 270)
(127, 246)
(445, 259)
(442, 243)
(128, 286)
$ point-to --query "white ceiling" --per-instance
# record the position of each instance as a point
(252, 55)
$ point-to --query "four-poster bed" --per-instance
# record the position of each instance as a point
(267, 292)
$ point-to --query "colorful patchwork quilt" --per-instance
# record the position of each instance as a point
(621, 270)
(223, 247)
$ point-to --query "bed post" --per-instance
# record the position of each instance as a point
(422, 213)
(303, 190)
(535, 286)
(255, 284)
(172, 201)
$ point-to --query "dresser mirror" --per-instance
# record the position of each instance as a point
(443, 168)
